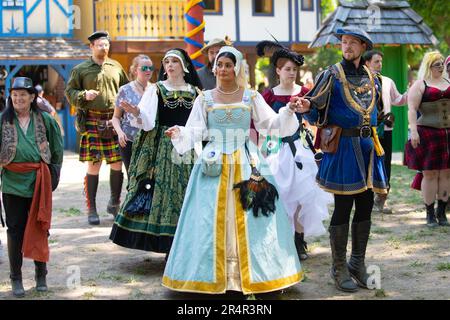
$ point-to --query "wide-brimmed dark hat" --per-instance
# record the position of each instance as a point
(357, 33)
(23, 83)
(277, 51)
(97, 35)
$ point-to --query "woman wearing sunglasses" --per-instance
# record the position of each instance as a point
(129, 95)
(428, 148)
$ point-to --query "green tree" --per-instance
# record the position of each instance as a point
(435, 14)
(324, 56)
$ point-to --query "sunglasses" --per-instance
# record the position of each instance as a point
(147, 68)
(437, 65)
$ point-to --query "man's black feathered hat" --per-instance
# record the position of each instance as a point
(278, 51)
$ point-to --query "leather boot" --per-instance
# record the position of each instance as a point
(339, 270)
(301, 246)
(15, 265)
(440, 213)
(356, 266)
(40, 276)
(431, 217)
(90, 189)
(115, 183)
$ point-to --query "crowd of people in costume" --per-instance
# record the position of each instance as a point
(226, 181)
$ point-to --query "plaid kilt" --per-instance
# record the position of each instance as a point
(433, 151)
(93, 148)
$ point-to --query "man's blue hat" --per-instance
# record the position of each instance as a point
(355, 32)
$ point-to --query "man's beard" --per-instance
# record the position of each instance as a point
(101, 54)
(353, 58)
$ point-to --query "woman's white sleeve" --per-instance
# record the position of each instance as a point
(195, 130)
(268, 122)
(148, 107)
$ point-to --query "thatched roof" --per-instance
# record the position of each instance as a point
(387, 22)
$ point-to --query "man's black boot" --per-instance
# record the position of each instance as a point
(339, 269)
(90, 189)
(115, 183)
(356, 265)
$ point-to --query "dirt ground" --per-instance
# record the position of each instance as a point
(413, 260)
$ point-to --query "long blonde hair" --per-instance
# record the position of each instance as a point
(425, 66)
(135, 64)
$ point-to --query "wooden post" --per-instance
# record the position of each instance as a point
(195, 31)
(395, 67)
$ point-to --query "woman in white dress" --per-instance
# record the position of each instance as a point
(291, 159)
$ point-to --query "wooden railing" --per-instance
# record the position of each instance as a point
(144, 19)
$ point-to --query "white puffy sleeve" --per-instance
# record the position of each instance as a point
(148, 107)
(268, 122)
(195, 130)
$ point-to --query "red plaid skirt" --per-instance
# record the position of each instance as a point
(93, 148)
(433, 151)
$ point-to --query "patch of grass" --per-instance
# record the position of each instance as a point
(114, 277)
(142, 271)
(401, 192)
(71, 212)
(393, 242)
(131, 280)
(443, 266)
(5, 285)
(90, 283)
(380, 230)
(136, 294)
(417, 264)
(250, 297)
(444, 230)
(33, 294)
(426, 232)
(380, 293)
(410, 237)
(313, 245)
(53, 241)
(89, 295)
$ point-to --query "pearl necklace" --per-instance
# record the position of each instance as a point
(228, 93)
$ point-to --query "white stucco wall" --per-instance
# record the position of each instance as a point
(218, 26)
(307, 25)
(37, 20)
(59, 23)
(253, 28)
(8, 16)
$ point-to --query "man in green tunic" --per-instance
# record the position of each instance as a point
(92, 89)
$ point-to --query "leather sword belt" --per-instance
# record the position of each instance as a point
(362, 132)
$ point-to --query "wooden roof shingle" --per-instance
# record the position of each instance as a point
(394, 23)
(42, 49)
